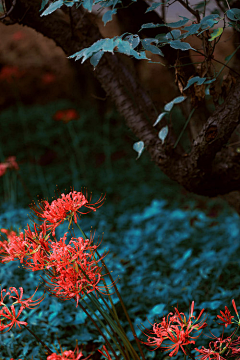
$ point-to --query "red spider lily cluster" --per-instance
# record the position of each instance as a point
(66, 115)
(223, 349)
(71, 269)
(65, 208)
(10, 163)
(176, 329)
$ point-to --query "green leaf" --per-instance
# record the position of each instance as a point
(52, 7)
(146, 43)
(108, 16)
(141, 55)
(133, 40)
(96, 58)
(138, 147)
(177, 100)
(163, 133)
(44, 3)
(108, 45)
(87, 4)
(161, 38)
(150, 26)
(159, 118)
(178, 23)
(123, 47)
(173, 35)
(179, 45)
(233, 14)
(191, 30)
(70, 3)
(209, 21)
(195, 79)
(211, 17)
(153, 7)
(157, 309)
(209, 81)
(78, 54)
(215, 33)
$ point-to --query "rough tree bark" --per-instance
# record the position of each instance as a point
(210, 169)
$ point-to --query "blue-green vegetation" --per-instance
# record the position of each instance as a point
(167, 247)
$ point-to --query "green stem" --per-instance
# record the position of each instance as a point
(99, 330)
(122, 333)
(118, 330)
(124, 309)
(46, 347)
(118, 345)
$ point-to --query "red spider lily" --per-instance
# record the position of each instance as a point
(225, 318)
(105, 353)
(208, 354)
(179, 338)
(235, 308)
(6, 314)
(9, 233)
(31, 245)
(190, 324)
(18, 35)
(3, 169)
(216, 349)
(10, 163)
(66, 115)
(65, 208)
(8, 73)
(76, 270)
(234, 346)
(177, 329)
(48, 78)
(68, 354)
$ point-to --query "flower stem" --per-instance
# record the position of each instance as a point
(46, 347)
(124, 309)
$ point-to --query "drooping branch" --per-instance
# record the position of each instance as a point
(199, 170)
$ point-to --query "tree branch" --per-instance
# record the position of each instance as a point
(197, 172)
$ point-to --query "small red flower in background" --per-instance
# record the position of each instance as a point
(8, 73)
(48, 78)
(10, 163)
(3, 169)
(66, 115)
(18, 35)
